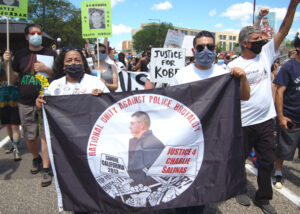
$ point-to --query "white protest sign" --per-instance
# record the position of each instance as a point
(188, 45)
(165, 62)
(90, 61)
(173, 39)
(47, 60)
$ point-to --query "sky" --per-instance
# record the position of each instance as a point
(215, 15)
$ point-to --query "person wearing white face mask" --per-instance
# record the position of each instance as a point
(26, 69)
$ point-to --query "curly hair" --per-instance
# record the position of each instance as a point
(58, 66)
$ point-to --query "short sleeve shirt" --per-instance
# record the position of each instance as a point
(86, 85)
(23, 63)
(260, 107)
(191, 73)
(289, 76)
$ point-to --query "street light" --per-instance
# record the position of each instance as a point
(158, 33)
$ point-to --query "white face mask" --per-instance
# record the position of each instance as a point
(35, 40)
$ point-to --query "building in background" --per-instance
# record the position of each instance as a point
(126, 46)
(223, 39)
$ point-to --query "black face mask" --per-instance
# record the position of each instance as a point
(257, 46)
(74, 70)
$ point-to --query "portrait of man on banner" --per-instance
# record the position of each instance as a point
(96, 18)
(144, 148)
(15, 3)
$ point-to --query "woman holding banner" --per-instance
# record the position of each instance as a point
(106, 72)
(72, 76)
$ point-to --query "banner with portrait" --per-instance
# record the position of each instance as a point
(14, 8)
(96, 19)
(155, 149)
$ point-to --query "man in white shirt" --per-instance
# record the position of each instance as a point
(258, 112)
(203, 68)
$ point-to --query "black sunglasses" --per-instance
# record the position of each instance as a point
(201, 47)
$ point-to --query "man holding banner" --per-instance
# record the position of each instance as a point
(258, 112)
(203, 68)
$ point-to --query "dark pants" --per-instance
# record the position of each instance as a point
(190, 210)
(261, 137)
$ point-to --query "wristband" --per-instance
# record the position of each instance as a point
(259, 17)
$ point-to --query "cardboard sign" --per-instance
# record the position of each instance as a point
(90, 61)
(14, 8)
(165, 62)
(188, 45)
(174, 39)
(96, 19)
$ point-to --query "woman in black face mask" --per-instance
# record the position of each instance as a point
(72, 76)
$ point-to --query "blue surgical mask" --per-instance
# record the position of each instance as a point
(205, 57)
(35, 40)
(116, 56)
(101, 56)
(221, 61)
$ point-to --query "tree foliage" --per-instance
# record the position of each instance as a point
(153, 35)
(63, 20)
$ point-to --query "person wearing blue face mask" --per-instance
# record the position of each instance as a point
(24, 68)
(106, 72)
(203, 68)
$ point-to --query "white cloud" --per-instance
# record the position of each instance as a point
(212, 12)
(162, 6)
(232, 30)
(280, 13)
(292, 32)
(218, 25)
(119, 29)
(241, 11)
(119, 46)
(114, 2)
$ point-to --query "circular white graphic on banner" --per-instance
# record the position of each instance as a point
(146, 149)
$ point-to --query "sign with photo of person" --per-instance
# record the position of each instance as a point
(14, 8)
(169, 147)
(96, 19)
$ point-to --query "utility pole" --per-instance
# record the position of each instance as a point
(254, 4)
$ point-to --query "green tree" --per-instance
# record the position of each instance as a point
(63, 20)
(154, 35)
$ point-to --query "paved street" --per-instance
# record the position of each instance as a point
(21, 192)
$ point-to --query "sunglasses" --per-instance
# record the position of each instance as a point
(103, 51)
(201, 47)
(33, 33)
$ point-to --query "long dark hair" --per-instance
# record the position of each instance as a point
(58, 66)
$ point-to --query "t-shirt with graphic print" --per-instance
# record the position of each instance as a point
(289, 76)
(23, 63)
(260, 107)
(86, 85)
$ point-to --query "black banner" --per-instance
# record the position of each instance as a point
(155, 149)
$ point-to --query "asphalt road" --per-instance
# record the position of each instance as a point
(21, 192)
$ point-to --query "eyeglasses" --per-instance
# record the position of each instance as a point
(201, 47)
(33, 33)
(103, 51)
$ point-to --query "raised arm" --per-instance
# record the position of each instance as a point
(263, 12)
(286, 23)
